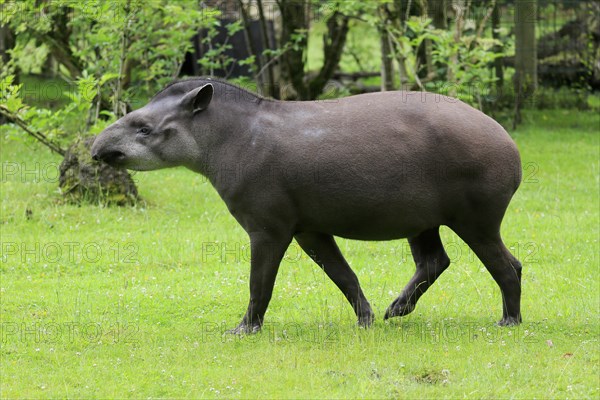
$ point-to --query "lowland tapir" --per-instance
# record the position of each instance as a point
(377, 166)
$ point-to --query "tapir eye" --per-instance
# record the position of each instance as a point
(143, 130)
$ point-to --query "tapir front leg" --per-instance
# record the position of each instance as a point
(325, 252)
(267, 250)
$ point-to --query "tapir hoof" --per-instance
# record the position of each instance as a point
(509, 321)
(365, 321)
(398, 309)
(243, 329)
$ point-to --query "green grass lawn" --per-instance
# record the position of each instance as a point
(133, 302)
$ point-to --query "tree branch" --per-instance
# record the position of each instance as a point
(487, 16)
(17, 120)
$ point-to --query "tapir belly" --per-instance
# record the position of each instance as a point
(371, 224)
(377, 204)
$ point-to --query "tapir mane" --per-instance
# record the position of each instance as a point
(222, 87)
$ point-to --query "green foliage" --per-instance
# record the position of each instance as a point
(473, 55)
(162, 37)
(29, 57)
(122, 50)
(9, 93)
(407, 40)
(362, 51)
(133, 48)
(465, 60)
(63, 124)
(215, 57)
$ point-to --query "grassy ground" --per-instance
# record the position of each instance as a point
(132, 302)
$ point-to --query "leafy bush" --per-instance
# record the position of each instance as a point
(110, 53)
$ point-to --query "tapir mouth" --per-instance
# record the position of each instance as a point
(118, 159)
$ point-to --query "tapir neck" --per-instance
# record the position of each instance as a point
(228, 137)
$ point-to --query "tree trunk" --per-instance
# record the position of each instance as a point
(459, 9)
(427, 46)
(294, 43)
(387, 62)
(437, 11)
(525, 78)
(293, 21)
(118, 108)
(386, 18)
(7, 42)
(266, 45)
(250, 48)
(83, 180)
(333, 46)
(57, 41)
(498, 69)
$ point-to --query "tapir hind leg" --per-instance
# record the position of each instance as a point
(502, 265)
(431, 260)
(325, 252)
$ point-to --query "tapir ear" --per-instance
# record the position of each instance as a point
(199, 98)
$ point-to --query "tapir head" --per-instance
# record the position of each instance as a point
(158, 135)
